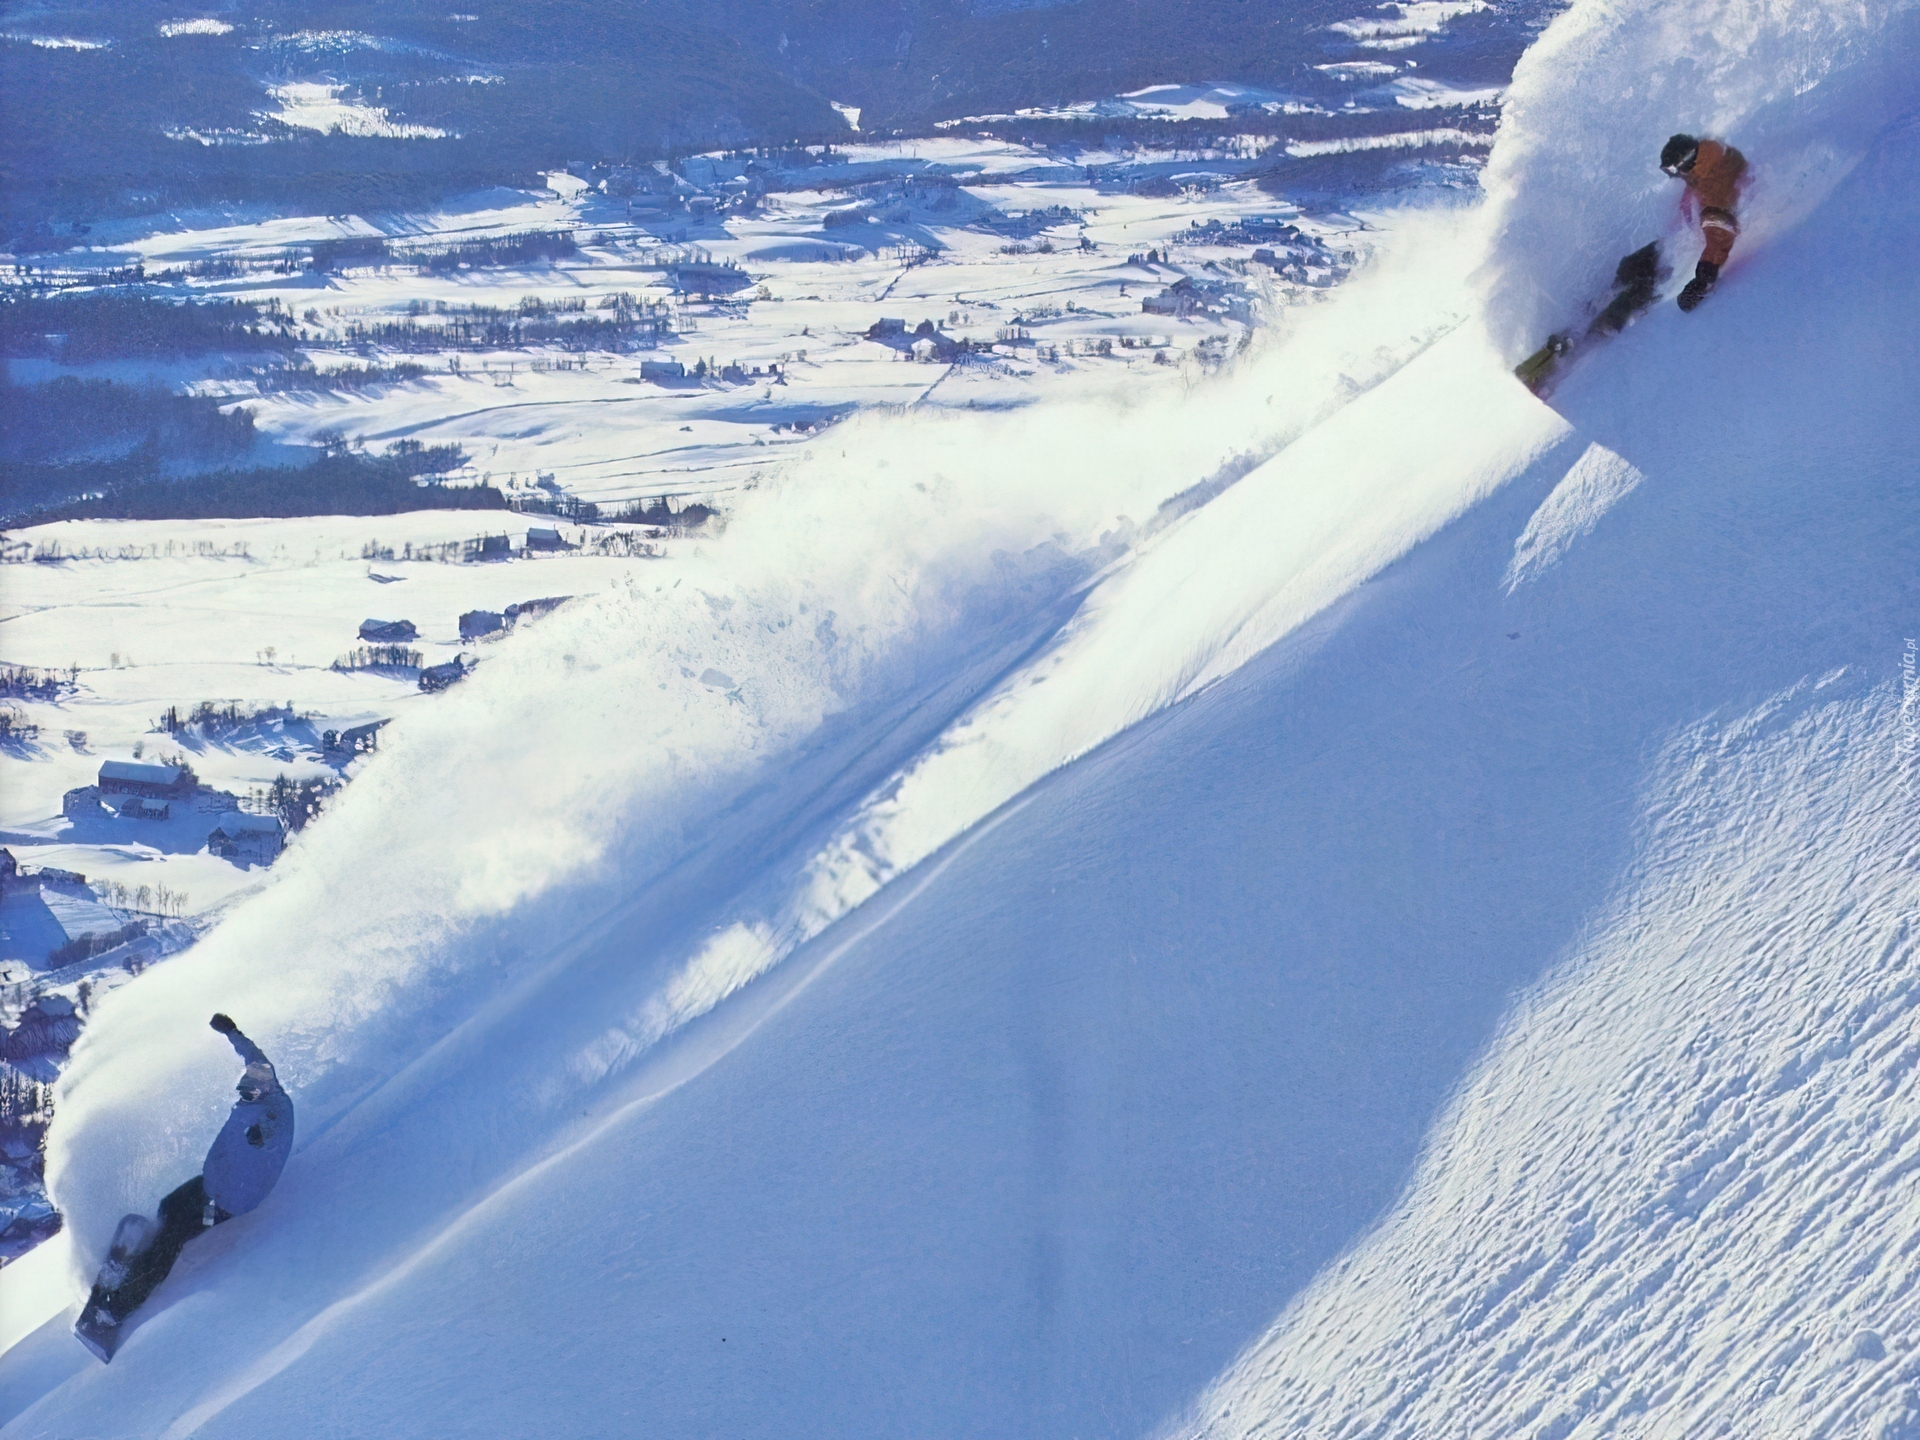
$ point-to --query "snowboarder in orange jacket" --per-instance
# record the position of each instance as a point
(1714, 172)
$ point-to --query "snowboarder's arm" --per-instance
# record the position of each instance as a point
(251, 1053)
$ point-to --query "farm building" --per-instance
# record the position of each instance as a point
(240, 836)
(355, 740)
(476, 623)
(388, 632)
(155, 782)
(439, 677)
(1179, 298)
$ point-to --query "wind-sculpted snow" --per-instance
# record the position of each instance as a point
(1801, 87)
(1680, 1197)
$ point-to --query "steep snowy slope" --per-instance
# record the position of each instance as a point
(769, 1077)
(1679, 1195)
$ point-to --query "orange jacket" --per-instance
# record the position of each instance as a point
(1718, 172)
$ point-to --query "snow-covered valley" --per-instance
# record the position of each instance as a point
(1301, 892)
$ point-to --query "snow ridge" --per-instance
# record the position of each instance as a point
(1598, 481)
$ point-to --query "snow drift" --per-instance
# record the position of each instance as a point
(978, 945)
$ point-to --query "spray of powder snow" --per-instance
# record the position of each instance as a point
(627, 738)
(1801, 87)
(1216, 580)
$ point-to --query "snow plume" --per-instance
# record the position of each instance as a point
(1202, 591)
(659, 763)
(1801, 87)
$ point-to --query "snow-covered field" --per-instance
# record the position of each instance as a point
(1072, 290)
(1317, 896)
(147, 615)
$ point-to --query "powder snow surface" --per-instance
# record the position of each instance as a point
(1414, 937)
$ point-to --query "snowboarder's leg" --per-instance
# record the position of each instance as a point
(1636, 280)
(130, 1276)
(98, 1328)
(1642, 267)
(1719, 227)
(1637, 277)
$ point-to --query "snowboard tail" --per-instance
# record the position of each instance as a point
(142, 1254)
(98, 1327)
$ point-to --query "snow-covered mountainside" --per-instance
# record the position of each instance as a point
(1043, 929)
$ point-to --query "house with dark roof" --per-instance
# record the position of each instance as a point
(155, 782)
(475, 623)
(354, 740)
(439, 677)
(244, 837)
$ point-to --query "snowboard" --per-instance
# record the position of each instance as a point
(1636, 284)
(98, 1328)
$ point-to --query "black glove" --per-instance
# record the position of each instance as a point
(1704, 274)
(224, 1024)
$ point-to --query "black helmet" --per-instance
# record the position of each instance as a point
(1677, 155)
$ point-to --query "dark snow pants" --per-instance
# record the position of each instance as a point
(182, 1216)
